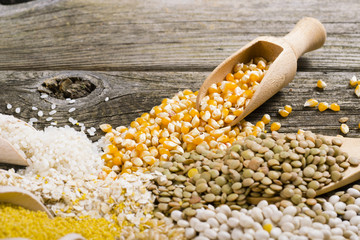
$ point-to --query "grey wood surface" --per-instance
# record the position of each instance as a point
(140, 52)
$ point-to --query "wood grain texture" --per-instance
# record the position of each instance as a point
(165, 35)
(133, 93)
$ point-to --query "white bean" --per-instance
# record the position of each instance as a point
(225, 209)
(354, 207)
(357, 202)
(354, 229)
(290, 210)
(213, 222)
(315, 234)
(337, 231)
(355, 220)
(201, 238)
(209, 233)
(305, 221)
(224, 235)
(246, 221)
(233, 222)
(283, 237)
(353, 192)
(267, 211)
(349, 214)
(287, 227)
(200, 214)
(276, 216)
(261, 235)
(209, 214)
(190, 233)
(339, 206)
(194, 222)
(275, 232)
(334, 199)
(328, 206)
(247, 236)
(257, 214)
(224, 227)
(237, 234)
(183, 223)
(176, 215)
(221, 217)
(202, 226)
(262, 204)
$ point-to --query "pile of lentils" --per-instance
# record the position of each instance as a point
(292, 166)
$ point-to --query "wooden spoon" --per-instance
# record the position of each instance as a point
(308, 34)
(351, 174)
(23, 198)
(8, 153)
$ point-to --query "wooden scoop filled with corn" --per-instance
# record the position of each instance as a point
(274, 66)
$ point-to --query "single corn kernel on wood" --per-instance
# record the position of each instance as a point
(357, 90)
(283, 113)
(359, 125)
(323, 106)
(334, 107)
(288, 108)
(266, 118)
(353, 81)
(275, 126)
(300, 131)
(344, 128)
(311, 103)
(321, 84)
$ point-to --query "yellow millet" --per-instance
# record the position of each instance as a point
(16, 221)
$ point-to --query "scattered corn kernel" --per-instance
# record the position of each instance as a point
(275, 126)
(357, 90)
(344, 128)
(266, 118)
(283, 113)
(311, 103)
(288, 108)
(323, 106)
(300, 131)
(359, 125)
(268, 227)
(354, 81)
(321, 84)
(335, 107)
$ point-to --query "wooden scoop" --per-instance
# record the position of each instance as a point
(308, 34)
(351, 174)
(23, 198)
(8, 153)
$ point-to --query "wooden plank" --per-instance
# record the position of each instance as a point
(165, 35)
(133, 93)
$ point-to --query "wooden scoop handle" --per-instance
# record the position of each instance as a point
(307, 35)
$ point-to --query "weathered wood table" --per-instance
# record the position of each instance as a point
(138, 52)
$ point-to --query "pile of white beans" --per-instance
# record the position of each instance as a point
(266, 221)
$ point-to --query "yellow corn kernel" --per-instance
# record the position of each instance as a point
(268, 227)
(354, 81)
(275, 126)
(311, 103)
(266, 118)
(359, 125)
(335, 107)
(169, 144)
(323, 106)
(357, 90)
(283, 113)
(106, 127)
(187, 92)
(300, 132)
(321, 84)
(288, 108)
(261, 125)
(344, 128)
(239, 74)
(229, 77)
(192, 172)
